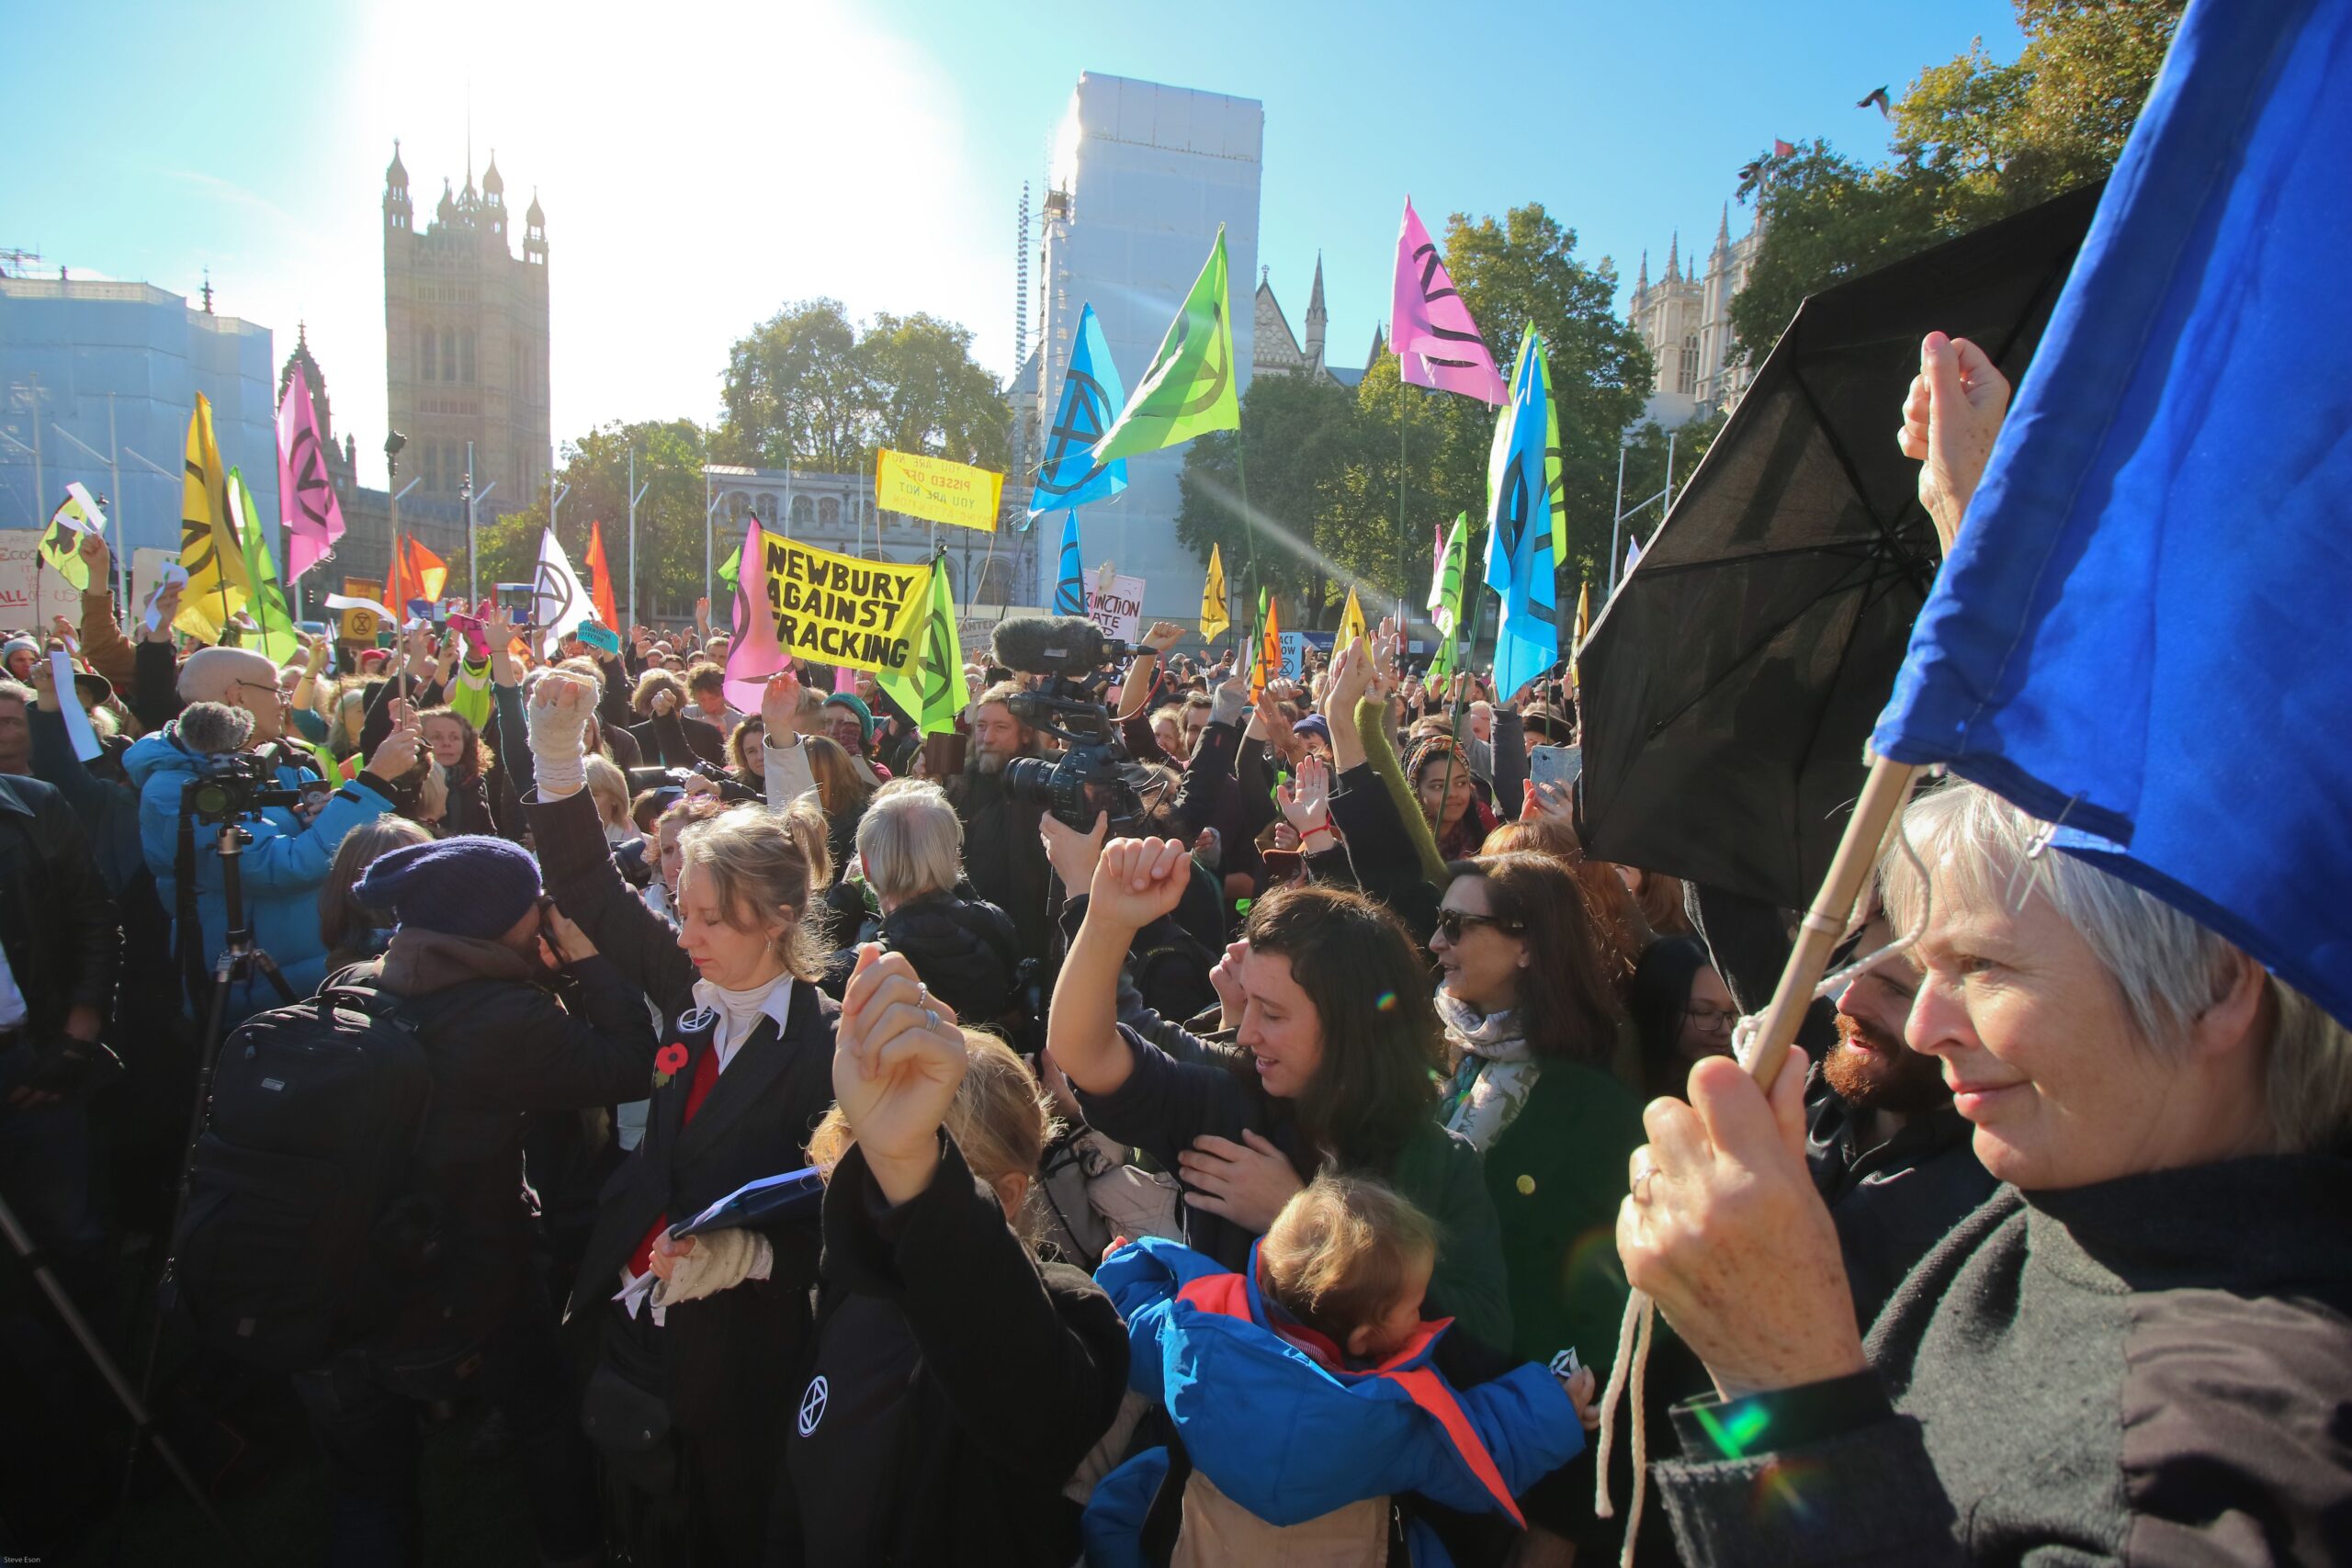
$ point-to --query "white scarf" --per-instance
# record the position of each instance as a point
(1494, 1070)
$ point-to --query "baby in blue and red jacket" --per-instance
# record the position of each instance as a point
(1304, 1395)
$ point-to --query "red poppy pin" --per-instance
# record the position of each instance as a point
(668, 1062)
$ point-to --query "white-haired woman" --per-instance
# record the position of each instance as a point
(2139, 1349)
(701, 1339)
(911, 852)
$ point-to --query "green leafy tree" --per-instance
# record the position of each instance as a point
(670, 551)
(807, 389)
(1298, 438)
(1973, 140)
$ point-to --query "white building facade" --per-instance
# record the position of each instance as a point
(1685, 318)
(1142, 176)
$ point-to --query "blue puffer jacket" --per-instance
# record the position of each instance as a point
(1269, 1412)
(283, 867)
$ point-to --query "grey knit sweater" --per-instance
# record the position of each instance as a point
(2151, 1371)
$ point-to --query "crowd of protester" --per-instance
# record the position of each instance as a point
(1258, 1176)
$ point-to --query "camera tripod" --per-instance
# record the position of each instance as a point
(240, 958)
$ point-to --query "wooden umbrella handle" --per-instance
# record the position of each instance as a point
(1884, 793)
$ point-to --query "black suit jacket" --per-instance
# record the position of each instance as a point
(58, 925)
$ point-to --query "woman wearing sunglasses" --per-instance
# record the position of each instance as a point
(1531, 1032)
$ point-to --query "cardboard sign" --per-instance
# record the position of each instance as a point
(1117, 609)
(19, 554)
(359, 624)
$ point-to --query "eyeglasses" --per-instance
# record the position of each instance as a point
(1708, 1020)
(1452, 923)
(285, 698)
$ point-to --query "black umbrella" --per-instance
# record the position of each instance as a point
(1734, 677)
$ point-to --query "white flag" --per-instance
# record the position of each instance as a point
(79, 512)
(560, 601)
(1632, 557)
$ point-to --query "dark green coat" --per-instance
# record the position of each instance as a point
(1558, 1175)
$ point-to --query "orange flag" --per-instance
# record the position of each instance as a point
(417, 573)
(600, 578)
(1269, 663)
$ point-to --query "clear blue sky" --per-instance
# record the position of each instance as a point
(701, 164)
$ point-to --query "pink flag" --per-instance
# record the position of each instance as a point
(844, 679)
(755, 654)
(1430, 328)
(306, 500)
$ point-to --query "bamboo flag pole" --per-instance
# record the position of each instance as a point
(1884, 791)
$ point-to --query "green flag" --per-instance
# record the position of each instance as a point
(730, 573)
(935, 689)
(277, 642)
(1189, 390)
(1445, 596)
(1555, 485)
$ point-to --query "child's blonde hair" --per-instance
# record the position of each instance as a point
(1341, 1253)
(999, 1119)
(608, 787)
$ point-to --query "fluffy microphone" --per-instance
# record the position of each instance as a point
(1055, 645)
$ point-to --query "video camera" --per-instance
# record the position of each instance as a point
(230, 784)
(1094, 773)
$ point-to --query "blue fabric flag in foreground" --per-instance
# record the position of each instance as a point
(1518, 565)
(1070, 477)
(1070, 581)
(2141, 632)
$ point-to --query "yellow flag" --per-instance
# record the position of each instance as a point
(936, 489)
(1350, 623)
(211, 550)
(1214, 620)
(1584, 625)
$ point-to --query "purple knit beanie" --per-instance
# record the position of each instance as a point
(471, 885)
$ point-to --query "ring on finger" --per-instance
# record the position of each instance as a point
(1642, 1179)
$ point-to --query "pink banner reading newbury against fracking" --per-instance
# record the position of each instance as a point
(755, 654)
(306, 500)
(1430, 328)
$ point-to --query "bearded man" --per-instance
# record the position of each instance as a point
(1888, 1153)
(1003, 857)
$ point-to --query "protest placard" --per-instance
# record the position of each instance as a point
(19, 555)
(1117, 609)
(838, 609)
(936, 489)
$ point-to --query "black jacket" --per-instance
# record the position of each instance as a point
(57, 924)
(1005, 859)
(1891, 1203)
(965, 950)
(675, 740)
(957, 1383)
(502, 1039)
(2155, 1370)
(757, 1120)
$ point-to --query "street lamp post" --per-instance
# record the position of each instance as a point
(393, 443)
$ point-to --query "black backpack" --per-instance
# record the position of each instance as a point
(302, 1223)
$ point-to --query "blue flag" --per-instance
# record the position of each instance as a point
(1091, 399)
(1519, 563)
(2141, 634)
(1069, 583)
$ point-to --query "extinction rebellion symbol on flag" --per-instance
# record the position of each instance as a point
(812, 1404)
